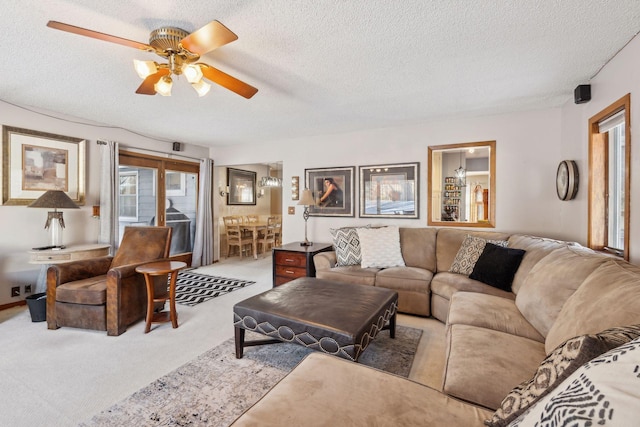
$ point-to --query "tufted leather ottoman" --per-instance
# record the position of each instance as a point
(331, 317)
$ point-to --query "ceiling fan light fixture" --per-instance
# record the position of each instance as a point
(163, 87)
(193, 73)
(201, 87)
(145, 68)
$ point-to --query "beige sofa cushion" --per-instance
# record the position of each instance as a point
(445, 284)
(536, 248)
(418, 246)
(327, 391)
(609, 297)
(350, 274)
(483, 365)
(490, 312)
(413, 286)
(552, 281)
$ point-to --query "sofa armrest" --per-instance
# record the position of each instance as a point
(325, 260)
(57, 274)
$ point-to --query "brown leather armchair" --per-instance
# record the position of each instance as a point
(106, 293)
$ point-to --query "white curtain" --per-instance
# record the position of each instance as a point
(203, 245)
(109, 189)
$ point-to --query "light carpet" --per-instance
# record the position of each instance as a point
(216, 388)
(193, 287)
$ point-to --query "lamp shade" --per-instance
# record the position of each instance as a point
(56, 199)
(306, 198)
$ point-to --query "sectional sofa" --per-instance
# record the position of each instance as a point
(511, 339)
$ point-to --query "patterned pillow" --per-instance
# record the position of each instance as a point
(604, 391)
(469, 252)
(556, 367)
(381, 247)
(347, 245)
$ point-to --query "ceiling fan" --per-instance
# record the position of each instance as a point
(182, 51)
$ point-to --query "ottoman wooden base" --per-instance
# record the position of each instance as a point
(331, 317)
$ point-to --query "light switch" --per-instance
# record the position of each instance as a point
(292, 210)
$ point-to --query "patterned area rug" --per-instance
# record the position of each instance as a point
(216, 388)
(193, 288)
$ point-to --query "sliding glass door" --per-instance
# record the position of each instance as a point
(156, 191)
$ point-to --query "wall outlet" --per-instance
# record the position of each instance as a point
(27, 289)
(15, 291)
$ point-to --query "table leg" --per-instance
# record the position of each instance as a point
(172, 299)
(255, 243)
(392, 325)
(239, 339)
(150, 296)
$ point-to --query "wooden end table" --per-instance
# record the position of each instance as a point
(292, 260)
(150, 271)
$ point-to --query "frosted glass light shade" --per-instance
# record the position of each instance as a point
(193, 73)
(163, 87)
(145, 68)
(201, 87)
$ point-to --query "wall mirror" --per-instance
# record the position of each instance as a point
(461, 185)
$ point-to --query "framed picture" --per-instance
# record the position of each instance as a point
(35, 162)
(333, 191)
(389, 191)
(242, 187)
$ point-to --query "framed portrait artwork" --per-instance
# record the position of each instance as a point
(333, 191)
(35, 162)
(242, 187)
(389, 191)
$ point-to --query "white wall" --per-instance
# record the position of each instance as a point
(529, 147)
(527, 159)
(22, 228)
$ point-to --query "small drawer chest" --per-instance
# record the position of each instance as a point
(292, 260)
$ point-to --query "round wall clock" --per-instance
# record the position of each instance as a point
(567, 180)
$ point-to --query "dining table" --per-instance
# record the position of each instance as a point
(254, 228)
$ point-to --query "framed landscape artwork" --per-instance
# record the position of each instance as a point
(242, 187)
(389, 191)
(35, 162)
(333, 191)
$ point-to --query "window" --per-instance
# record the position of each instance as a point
(128, 196)
(609, 178)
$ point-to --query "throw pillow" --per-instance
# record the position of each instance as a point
(469, 252)
(347, 245)
(604, 391)
(380, 247)
(556, 367)
(497, 266)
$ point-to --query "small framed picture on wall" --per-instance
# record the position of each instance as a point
(389, 191)
(333, 191)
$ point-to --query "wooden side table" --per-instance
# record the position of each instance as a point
(292, 260)
(150, 271)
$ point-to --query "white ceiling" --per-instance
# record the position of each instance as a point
(321, 66)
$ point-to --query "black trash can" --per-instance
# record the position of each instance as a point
(37, 304)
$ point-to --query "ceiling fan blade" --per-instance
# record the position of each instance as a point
(100, 36)
(210, 37)
(225, 80)
(146, 88)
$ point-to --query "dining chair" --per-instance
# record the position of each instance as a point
(266, 236)
(276, 223)
(235, 237)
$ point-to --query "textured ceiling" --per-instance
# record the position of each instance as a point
(321, 66)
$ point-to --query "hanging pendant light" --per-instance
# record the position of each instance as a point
(461, 174)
